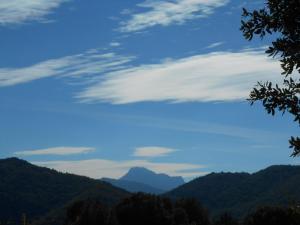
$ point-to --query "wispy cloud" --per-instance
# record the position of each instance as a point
(166, 12)
(87, 64)
(152, 151)
(20, 11)
(218, 76)
(108, 77)
(97, 168)
(214, 45)
(57, 151)
(114, 44)
(196, 126)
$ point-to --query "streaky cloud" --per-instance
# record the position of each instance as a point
(21, 11)
(166, 12)
(216, 76)
(56, 151)
(214, 45)
(90, 63)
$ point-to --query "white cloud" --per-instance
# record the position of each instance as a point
(167, 12)
(108, 77)
(57, 151)
(20, 11)
(214, 45)
(114, 44)
(97, 168)
(218, 76)
(153, 151)
(87, 64)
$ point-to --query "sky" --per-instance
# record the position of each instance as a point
(97, 87)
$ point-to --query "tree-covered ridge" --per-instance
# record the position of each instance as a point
(240, 193)
(26, 188)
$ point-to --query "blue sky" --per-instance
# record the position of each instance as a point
(96, 87)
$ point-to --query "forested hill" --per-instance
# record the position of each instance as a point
(26, 188)
(240, 193)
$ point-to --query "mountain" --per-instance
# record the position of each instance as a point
(26, 188)
(159, 181)
(240, 193)
(133, 186)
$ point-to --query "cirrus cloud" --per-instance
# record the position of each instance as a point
(165, 13)
(87, 64)
(56, 151)
(216, 76)
(20, 11)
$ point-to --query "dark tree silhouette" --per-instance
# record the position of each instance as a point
(280, 18)
(195, 212)
(143, 209)
(273, 216)
(138, 209)
(225, 219)
(90, 212)
(180, 217)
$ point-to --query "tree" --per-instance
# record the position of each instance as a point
(90, 212)
(273, 216)
(280, 18)
(225, 219)
(196, 214)
(143, 209)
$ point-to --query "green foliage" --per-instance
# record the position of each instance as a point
(280, 18)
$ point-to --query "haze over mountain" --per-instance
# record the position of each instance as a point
(133, 186)
(159, 181)
(240, 193)
(26, 188)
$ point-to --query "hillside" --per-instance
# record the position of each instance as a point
(133, 186)
(159, 181)
(26, 188)
(240, 193)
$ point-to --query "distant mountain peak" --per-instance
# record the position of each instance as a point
(142, 170)
(158, 180)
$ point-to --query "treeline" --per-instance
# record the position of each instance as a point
(148, 209)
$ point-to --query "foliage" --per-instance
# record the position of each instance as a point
(225, 219)
(273, 216)
(196, 214)
(280, 18)
(148, 209)
(138, 209)
(90, 212)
